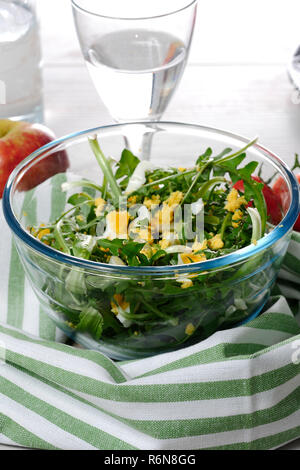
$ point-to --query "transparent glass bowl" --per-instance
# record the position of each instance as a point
(226, 291)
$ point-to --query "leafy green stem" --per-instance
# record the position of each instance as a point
(83, 183)
(256, 224)
(225, 223)
(206, 186)
(296, 162)
(166, 178)
(60, 239)
(238, 152)
(106, 169)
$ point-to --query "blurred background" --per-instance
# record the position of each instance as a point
(236, 78)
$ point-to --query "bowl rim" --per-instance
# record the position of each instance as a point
(238, 256)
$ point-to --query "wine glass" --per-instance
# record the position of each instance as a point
(136, 52)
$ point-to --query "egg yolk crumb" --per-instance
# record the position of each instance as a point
(198, 246)
(145, 234)
(43, 232)
(99, 203)
(131, 201)
(234, 201)
(118, 301)
(186, 284)
(166, 215)
(216, 243)
(154, 201)
(236, 218)
(190, 329)
(174, 199)
(188, 258)
(164, 243)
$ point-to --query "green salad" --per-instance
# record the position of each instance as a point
(142, 215)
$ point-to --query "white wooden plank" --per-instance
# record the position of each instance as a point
(256, 100)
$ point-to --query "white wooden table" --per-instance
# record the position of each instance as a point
(236, 78)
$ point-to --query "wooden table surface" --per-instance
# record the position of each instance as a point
(236, 78)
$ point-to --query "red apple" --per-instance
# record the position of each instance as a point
(18, 139)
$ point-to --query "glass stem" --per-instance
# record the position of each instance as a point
(138, 140)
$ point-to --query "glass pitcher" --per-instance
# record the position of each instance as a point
(20, 61)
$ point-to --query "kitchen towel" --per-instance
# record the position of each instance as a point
(238, 389)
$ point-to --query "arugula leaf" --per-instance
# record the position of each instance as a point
(253, 189)
(248, 170)
(131, 249)
(113, 245)
(83, 246)
(79, 198)
(233, 163)
(127, 164)
(75, 282)
(91, 320)
(211, 220)
(157, 255)
(204, 156)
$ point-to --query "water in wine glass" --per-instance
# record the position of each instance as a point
(136, 71)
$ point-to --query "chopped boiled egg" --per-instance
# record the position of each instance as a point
(197, 206)
(216, 242)
(131, 201)
(100, 204)
(187, 258)
(236, 218)
(190, 329)
(138, 178)
(116, 261)
(116, 225)
(153, 201)
(199, 246)
(234, 201)
(147, 250)
(119, 306)
(166, 216)
(174, 199)
(168, 239)
(139, 228)
(186, 283)
(43, 232)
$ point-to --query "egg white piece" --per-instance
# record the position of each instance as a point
(116, 261)
(138, 177)
(125, 322)
(179, 249)
(197, 206)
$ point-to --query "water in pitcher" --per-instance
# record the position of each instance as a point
(20, 63)
(136, 72)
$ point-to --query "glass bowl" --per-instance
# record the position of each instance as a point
(74, 292)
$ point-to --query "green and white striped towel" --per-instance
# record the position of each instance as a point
(239, 389)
